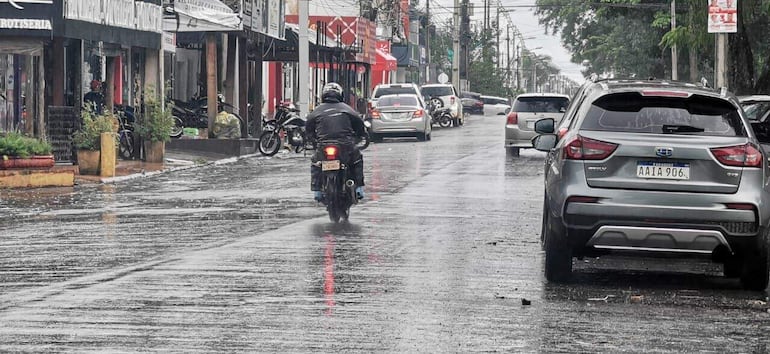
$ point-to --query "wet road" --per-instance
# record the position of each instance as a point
(236, 257)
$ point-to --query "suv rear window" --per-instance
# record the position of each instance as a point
(393, 90)
(696, 115)
(540, 104)
(437, 91)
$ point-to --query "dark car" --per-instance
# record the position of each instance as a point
(652, 167)
(472, 105)
(757, 108)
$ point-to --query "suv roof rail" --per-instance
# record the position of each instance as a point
(723, 91)
(704, 82)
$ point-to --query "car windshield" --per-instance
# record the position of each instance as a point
(396, 101)
(696, 115)
(436, 91)
(392, 90)
(541, 104)
(756, 110)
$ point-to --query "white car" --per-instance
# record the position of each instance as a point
(449, 98)
(495, 106)
(394, 89)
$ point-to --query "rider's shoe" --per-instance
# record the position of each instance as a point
(318, 196)
(360, 192)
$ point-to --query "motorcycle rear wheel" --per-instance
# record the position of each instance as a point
(269, 143)
(445, 121)
(126, 145)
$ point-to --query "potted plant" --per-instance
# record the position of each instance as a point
(154, 128)
(87, 140)
(19, 151)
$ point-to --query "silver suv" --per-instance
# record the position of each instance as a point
(449, 98)
(655, 167)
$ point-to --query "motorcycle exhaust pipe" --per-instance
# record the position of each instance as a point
(350, 183)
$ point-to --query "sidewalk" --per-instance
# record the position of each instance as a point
(174, 160)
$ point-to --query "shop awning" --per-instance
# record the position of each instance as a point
(385, 61)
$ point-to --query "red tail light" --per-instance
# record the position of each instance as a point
(375, 114)
(740, 206)
(331, 152)
(513, 118)
(740, 155)
(582, 148)
(582, 199)
(418, 114)
(452, 100)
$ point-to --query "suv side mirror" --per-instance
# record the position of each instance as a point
(545, 126)
(545, 142)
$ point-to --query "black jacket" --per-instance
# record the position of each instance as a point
(333, 120)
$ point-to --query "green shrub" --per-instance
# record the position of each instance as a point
(15, 144)
(156, 123)
(89, 135)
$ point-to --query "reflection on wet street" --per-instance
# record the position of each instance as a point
(443, 256)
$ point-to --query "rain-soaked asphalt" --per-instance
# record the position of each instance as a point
(236, 258)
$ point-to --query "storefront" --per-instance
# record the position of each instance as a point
(120, 44)
(25, 32)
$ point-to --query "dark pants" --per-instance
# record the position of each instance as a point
(315, 171)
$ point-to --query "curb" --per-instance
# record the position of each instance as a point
(174, 169)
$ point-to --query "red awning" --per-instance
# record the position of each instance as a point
(385, 61)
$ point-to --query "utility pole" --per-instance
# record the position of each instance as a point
(508, 54)
(674, 64)
(304, 58)
(456, 46)
(427, 41)
(721, 72)
(497, 30)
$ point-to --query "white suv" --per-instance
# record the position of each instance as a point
(449, 97)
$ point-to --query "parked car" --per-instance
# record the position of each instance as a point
(400, 115)
(655, 167)
(450, 98)
(757, 109)
(527, 109)
(472, 106)
(495, 106)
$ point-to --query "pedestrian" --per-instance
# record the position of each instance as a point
(94, 99)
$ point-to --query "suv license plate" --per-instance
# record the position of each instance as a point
(663, 170)
(332, 165)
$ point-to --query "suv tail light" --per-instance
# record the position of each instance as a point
(375, 114)
(452, 100)
(746, 155)
(582, 148)
(513, 118)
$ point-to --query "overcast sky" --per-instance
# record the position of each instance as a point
(522, 14)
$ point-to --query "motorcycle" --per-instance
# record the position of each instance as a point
(287, 123)
(338, 186)
(194, 113)
(438, 114)
(127, 142)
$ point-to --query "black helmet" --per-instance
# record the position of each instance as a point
(332, 90)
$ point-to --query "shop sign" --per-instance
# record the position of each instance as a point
(142, 16)
(19, 4)
(26, 24)
(169, 42)
(202, 16)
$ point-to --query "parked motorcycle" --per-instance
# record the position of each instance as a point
(194, 113)
(338, 186)
(287, 123)
(440, 115)
(127, 142)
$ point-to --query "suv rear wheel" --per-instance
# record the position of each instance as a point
(756, 264)
(558, 255)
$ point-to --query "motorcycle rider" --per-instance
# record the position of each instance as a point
(334, 120)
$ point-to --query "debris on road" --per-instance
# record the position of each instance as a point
(525, 302)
